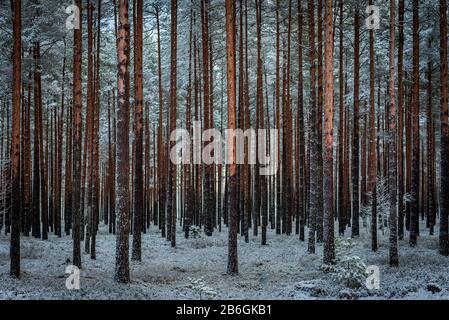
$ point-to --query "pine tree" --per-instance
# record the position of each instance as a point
(300, 141)
(392, 165)
(356, 133)
(372, 160)
(138, 134)
(400, 128)
(231, 89)
(77, 130)
(444, 204)
(15, 142)
(415, 184)
(329, 246)
(313, 132)
(122, 244)
(171, 186)
(208, 170)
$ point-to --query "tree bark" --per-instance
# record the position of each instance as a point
(372, 160)
(231, 86)
(355, 232)
(171, 186)
(77, 127)
(444, 209)
(138, 134)
(329, 246)
(122, 205)
(15, 142)
(392, 165)
(415, 183)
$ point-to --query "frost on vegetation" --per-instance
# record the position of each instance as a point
(199, 287)
(347, 268)
(195, 231)
(383, 205)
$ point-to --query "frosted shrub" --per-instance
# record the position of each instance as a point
(348, 269)
(195, 231)
(383, 203)
(200, 288)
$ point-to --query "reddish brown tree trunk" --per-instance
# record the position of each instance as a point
(171, 185)
(15, 141)
(122, 244)
(231, 79)
(329, 246)
(77, 128)
(392, 165)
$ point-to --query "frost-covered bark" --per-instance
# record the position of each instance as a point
(300, 141)
(329, 246)
(355, 229)
(372, 157)
(415, 184)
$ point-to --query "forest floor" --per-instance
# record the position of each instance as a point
(281, 270)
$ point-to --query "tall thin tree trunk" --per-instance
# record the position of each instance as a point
(122, 244)
(15, 142)
(444, 204)
(392, 165)
(300, 143)
(372, 161)
(171, 186)
(400, 161)
(329, 246)
(160, 144)
(208, 169)
(313, 132)
(319, 124)
(415, 183)
(231, 80)
(138, 135)
(356, 133)
(77, 127)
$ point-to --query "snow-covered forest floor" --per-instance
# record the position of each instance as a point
(281, 270)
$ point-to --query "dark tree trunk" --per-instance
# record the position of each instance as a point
(138, 134)
(392, 164)
(356, 133)
(171, 186)
(15, 142)
(400, 161)
(372, 160)
(77, 127)
(444, 208)
(415, 183)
